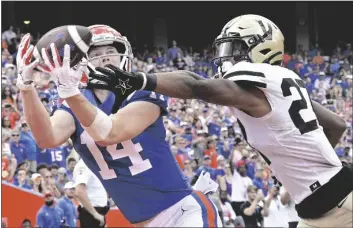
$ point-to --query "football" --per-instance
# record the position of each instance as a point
(78, 37)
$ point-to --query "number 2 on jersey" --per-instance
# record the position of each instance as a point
(129, 150)
(298, 105)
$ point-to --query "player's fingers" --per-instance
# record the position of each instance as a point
(46, 59)
(43, 68)
(100, 77)
(21, 52)
(105, 71)
(114, 68)
(55, 54)
(66, 60)
(34, 64)
(26, 40)
(28, 55)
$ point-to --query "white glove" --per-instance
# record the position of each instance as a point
(67, 79)
(205, 184)
(24, 66)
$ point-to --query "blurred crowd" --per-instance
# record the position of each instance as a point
(202, 137)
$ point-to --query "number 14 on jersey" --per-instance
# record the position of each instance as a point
(130, 150)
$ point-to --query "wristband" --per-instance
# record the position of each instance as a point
(149, 81)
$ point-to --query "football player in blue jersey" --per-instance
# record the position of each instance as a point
(127, 151)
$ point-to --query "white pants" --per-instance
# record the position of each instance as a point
(195, 210)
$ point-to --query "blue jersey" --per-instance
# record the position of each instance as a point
(57, 155)
(141, 175)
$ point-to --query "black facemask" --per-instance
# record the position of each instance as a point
(49, 203)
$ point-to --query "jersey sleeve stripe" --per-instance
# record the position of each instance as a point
(255, 78)
(245, 73)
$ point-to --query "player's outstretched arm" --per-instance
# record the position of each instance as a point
(106, 130)
(48, 132)
(182, 84)
(334, 126)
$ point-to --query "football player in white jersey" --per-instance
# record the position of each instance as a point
(295, 135)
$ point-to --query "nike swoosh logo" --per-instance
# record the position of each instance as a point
(341, 204)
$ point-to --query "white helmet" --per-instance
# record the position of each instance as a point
(104, 35)
(250, 38)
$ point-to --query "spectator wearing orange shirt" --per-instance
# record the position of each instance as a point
(11, 113)
(318, 59)
(212, 152)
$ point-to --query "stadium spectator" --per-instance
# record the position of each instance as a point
(48, 184)
(42, 169)
(26, 223)
(53, 168)
(61, 179)
(67, 206)
(9, 35)
(240, 184)
(173, 51)
(251, 210)
(36, 180)
(275, 216)
(21, 180)
(70, 168)
(27, 139)
(49, 215)
(17, 148)
(11, 113)
(289, 208)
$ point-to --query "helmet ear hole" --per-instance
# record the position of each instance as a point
(265, 51)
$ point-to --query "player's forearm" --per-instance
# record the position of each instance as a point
(81, 195)
(83, 109)
(37, 118)
(333, 125)
(188, 85)
(179, 84)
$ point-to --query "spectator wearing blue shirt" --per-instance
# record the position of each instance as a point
(70, 168)
(293, 62)
(173, 116)
(50, 215)
(334, 66)
(214, 126)
(66, 204)
(258, 181)
(27, 139)
(17, 148)
(220, 171)
(224, 144)
(173, 51)
(52, 91)
(204, 167)
(21, 181)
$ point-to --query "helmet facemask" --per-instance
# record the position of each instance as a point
(230, 50)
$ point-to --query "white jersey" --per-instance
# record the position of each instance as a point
(289, 137)
(96, 193)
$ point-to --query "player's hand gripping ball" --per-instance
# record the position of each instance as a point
(76, 36)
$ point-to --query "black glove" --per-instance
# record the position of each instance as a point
(109, 81)
(117, 79)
